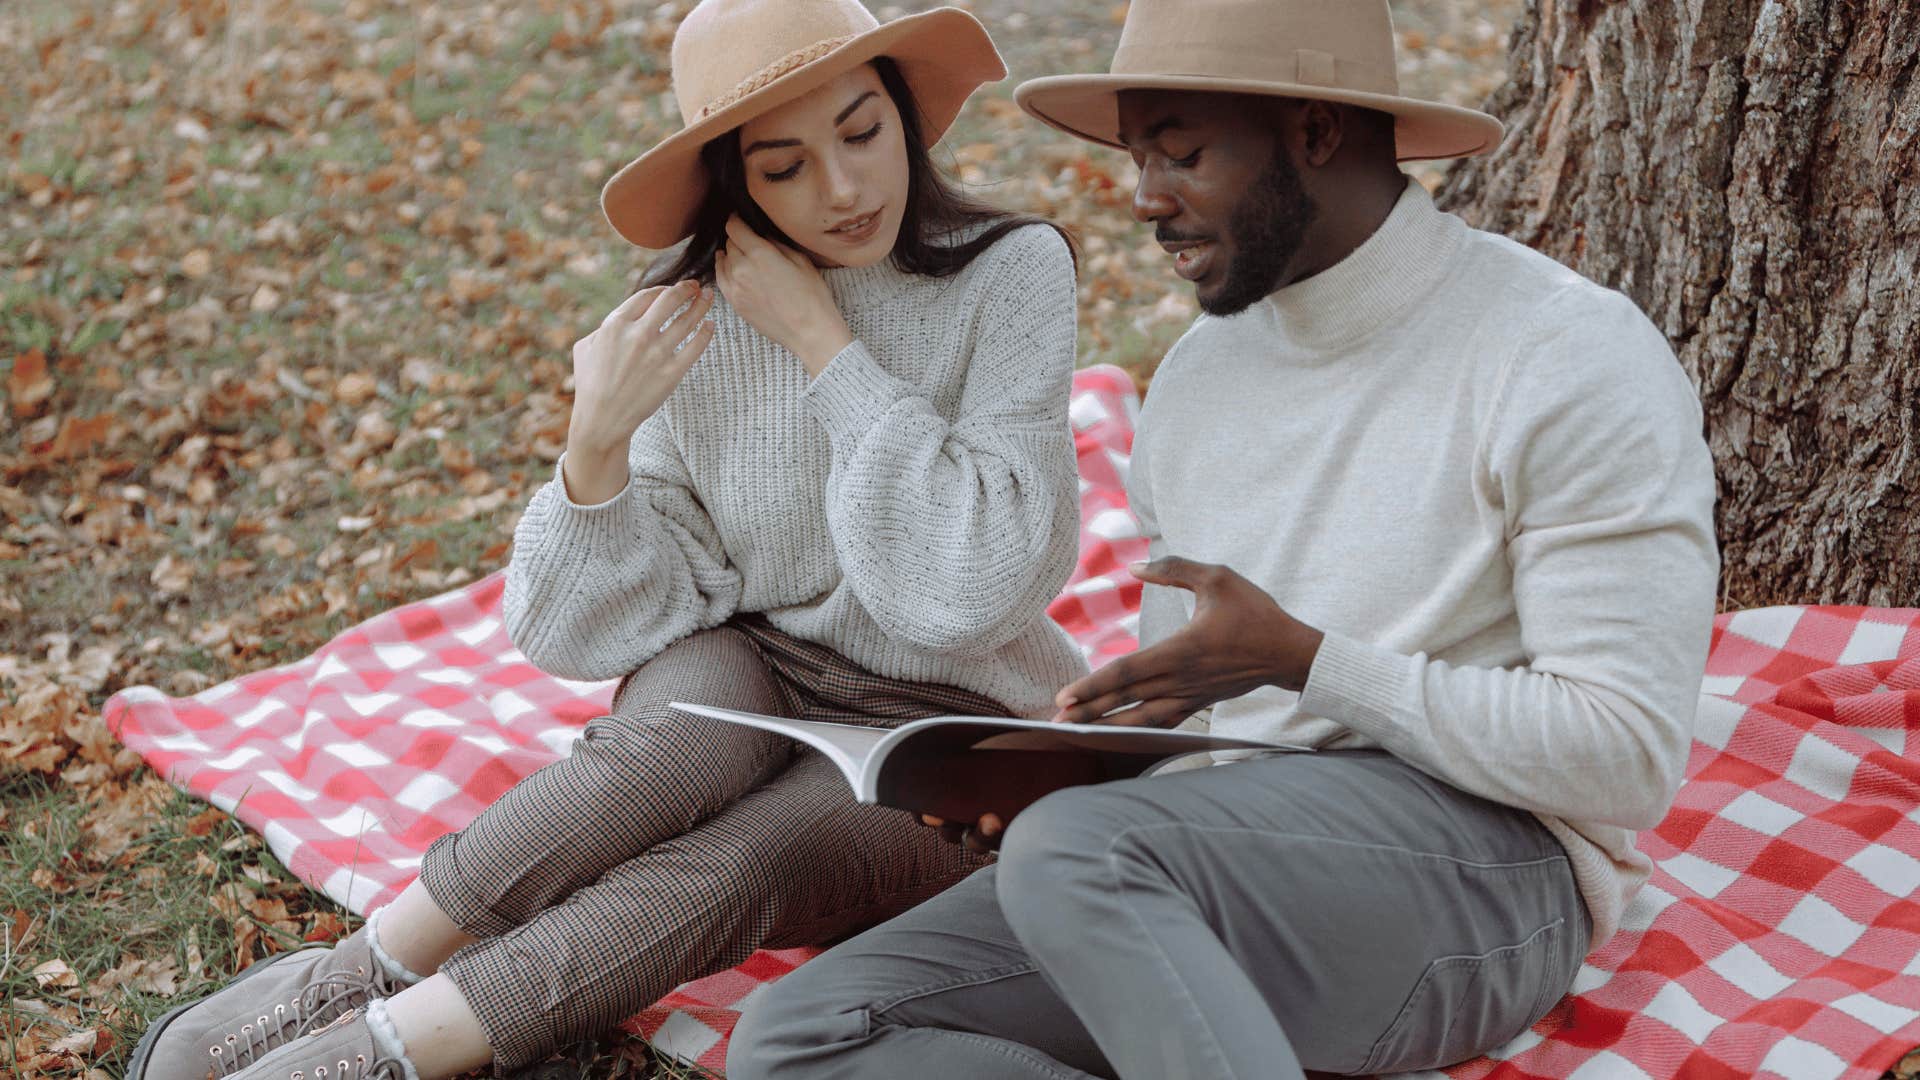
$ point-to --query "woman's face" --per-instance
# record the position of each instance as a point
(830, 169)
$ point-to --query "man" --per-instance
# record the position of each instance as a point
(1419, 498)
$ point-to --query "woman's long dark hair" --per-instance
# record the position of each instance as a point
(936, 211)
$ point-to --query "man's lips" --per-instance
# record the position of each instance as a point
(1191, 258)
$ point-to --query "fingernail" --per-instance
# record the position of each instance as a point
(1136, 567)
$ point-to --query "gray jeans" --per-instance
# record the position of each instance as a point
(1339, 911)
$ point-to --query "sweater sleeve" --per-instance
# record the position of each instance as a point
(593, 592)
(954, 536)
(1594, 455)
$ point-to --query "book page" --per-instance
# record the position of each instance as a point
(847, 746)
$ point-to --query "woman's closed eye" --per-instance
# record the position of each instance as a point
(858, 139)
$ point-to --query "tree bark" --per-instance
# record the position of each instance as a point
(1748, 171)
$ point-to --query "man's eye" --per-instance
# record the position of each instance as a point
(787, 173)
(1187, 162)
(866, 136)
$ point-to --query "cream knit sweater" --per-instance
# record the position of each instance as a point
(1483, 477)
(914, 508)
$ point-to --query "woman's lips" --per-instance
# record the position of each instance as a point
(859, 231)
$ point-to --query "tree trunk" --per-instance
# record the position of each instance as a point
(1748, 171)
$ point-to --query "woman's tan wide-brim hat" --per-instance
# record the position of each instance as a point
(1330, 50)
(736, 59)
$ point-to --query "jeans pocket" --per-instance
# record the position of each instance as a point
(1464, 1006)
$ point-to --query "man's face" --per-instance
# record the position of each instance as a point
(1220, 190)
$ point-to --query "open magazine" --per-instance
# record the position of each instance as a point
(960, 767)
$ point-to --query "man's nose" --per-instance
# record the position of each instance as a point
(1151, 199)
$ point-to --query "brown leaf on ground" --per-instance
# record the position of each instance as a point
(205, 821)
(55, 975)
(29, 385)
(160, 977)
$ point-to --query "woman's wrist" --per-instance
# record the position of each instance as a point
(593, 475)
(819, 347)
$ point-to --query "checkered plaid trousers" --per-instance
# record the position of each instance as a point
(668, 847)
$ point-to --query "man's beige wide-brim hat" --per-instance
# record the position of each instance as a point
(1331, 50)
(736, 59)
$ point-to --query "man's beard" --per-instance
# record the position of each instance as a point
(1267, 225)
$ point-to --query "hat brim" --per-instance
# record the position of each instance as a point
(944, 55)
(1087, 107)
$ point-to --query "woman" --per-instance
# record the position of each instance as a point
(842, 488)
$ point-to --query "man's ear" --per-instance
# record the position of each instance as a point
(1321, 128)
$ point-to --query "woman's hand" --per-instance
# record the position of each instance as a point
(778, 291)
(621, 374)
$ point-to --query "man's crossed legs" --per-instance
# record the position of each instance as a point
(1338, 911)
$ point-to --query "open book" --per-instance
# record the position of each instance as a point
(960, 767)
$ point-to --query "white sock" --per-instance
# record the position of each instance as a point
(395, 969)
(386, 1037)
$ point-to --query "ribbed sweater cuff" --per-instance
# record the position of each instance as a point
(852, 392)
(603, 530)
(560, 478)
(1358, 685)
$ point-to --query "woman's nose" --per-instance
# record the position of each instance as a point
(841, 190)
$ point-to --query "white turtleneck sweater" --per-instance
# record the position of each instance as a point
(1483, 477)
(915, 507)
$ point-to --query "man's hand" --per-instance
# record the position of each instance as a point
(1238, 641)
(982, 836)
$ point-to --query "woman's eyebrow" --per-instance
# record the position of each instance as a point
(848, 111)
(775, 144)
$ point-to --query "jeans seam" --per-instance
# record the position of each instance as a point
(1013, 1051)
(1513, 864)
(1441, 963)
(974, 978)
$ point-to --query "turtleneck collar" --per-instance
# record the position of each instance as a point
(1376, 283)
(857, 287)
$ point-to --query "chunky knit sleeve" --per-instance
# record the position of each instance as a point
(593, 592)
(954, 535)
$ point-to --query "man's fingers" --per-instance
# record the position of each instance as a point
(1153, 662)
(1096, 710)
(1154, 712)
(1174, 571)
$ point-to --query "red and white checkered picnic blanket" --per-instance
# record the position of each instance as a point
(1779, 935)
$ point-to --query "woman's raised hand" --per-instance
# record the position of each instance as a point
(778, 291)
(622, 372)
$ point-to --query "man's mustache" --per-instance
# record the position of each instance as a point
(1170, 236)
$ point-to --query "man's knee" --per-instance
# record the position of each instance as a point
(791, 1029)
(1055, 851)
